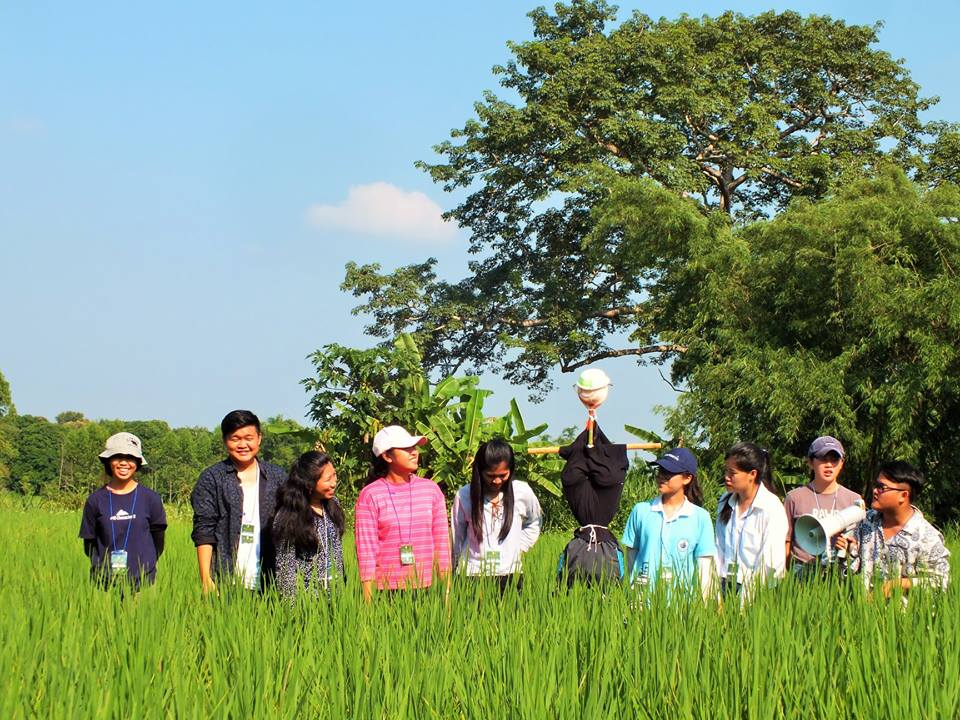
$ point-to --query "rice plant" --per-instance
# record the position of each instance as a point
(798, 651)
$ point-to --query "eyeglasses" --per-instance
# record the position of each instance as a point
(880, 489)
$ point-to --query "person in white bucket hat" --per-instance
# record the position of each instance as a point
(123, 522)
(401, 519)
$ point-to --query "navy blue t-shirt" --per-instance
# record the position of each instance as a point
(126, 527)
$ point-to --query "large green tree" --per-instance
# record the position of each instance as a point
(8, 431)
(6, 397)
(840, 317)
(739, 114)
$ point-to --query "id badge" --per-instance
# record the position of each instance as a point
(666, 574)
(118, 560)
(492, 557)
(246, 534)
(732, 571)
(406, 554)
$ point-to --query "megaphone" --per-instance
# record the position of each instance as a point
(813, 534)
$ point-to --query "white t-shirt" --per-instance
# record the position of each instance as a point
(754, 542)
(248, 551)
(492, 557)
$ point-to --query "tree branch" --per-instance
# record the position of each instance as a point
(540, 322)
(781, 177)
(603, 355)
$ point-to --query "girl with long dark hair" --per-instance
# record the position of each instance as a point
(752, 527)
(308, 526)
(670, 538)
(495, 519)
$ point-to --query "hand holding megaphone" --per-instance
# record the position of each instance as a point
(814, 534)
(843, 542)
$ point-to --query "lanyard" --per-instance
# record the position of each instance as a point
(817, 501)
(325, 545)
(743, 525)
(488, 534)
(397, 515)
(665, 535)
(133, 509)
(255, 514)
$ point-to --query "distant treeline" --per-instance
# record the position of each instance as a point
(59, 459)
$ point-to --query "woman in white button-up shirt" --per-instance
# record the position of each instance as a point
(495, 519)
(752, 525)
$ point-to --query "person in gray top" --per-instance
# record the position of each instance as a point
(308, 527)
(233, 504)
(821, 497)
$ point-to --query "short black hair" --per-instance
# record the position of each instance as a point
(899, 471)
(236, 419)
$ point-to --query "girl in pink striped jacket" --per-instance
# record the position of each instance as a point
(401, 519)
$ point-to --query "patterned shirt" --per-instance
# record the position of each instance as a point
(393, 516)
(916, 552)
(297, 570)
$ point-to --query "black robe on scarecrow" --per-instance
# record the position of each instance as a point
(593, 485)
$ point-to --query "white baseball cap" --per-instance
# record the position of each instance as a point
(123, 443)
(394, 436)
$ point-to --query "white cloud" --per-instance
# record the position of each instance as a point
(384, 209)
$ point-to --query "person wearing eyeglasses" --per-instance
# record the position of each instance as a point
(401, 519)
(894, 543)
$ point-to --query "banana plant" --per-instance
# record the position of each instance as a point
(457, 430)
(357, 392)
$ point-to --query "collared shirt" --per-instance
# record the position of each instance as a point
(916, 552)
(667, 545)
(491, 556)
(754, 544)
(217, 501)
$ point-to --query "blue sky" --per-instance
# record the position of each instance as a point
(175, 188)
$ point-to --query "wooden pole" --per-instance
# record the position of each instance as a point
(630, 446)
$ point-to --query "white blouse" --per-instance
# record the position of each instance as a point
(754, 543)
(492, 557)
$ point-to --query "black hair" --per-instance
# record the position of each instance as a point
(293, 522)
(109, 470)
(693, 492)
(902, 472)
(236, 419)
(747, 457)
(378, 469)
(490, 455)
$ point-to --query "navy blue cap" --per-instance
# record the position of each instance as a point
(678, 460)
(824, 445)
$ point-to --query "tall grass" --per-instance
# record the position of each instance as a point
(799, 651)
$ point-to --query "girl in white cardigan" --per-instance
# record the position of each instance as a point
(495, 519)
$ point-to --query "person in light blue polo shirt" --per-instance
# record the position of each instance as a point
(670, 539)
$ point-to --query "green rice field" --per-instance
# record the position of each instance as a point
(798, 651)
